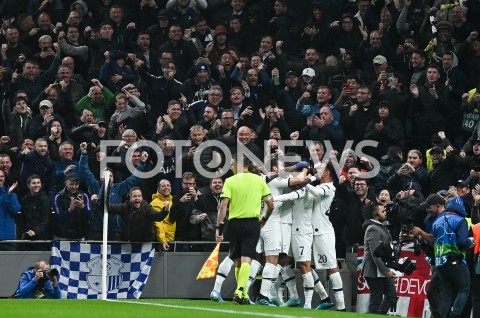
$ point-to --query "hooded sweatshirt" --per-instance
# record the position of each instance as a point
(164, 230)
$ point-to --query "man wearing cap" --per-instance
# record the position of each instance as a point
(450, 239)
(159, 32)
(443, 42)
(195, 89)
(379, 77)
(435, 205)
(38, 125)
(444, 172)
(71, 211)
(310, 60)
(371, 48)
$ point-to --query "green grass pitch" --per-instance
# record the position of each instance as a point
(171, 308)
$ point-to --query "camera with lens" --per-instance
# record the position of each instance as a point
(390, 255)
(49, 273)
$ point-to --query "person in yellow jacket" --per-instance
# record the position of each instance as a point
(165, 230)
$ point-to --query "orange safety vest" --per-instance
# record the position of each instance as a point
(476, 235)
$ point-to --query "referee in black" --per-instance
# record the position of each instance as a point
(243, 194)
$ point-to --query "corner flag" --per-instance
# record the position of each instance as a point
(209, 269)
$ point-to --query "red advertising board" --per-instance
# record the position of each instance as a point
(411, 289)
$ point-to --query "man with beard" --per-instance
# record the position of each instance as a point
(115, 193)
(223, 126)
(138, 217)
(146, 53)
(206, 210)
(417, 61)
(379, 277)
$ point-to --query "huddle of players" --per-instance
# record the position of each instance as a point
(298, 224)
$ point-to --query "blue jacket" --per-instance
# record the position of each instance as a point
(28, 285)
(9, 206)
(450, 233)
(115, 193)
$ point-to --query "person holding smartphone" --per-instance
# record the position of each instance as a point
(71, 211)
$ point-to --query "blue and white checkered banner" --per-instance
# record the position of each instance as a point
(80, 268)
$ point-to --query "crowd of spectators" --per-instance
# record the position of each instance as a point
(403, 73)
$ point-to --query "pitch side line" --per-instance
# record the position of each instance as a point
(249, 313)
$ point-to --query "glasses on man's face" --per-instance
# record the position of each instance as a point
(215, 95)
(129, 136)
(189, 184)
(360, 185)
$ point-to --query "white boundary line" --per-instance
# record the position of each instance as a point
(249, 313)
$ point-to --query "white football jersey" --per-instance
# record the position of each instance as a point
(323, 195)
(282, 211)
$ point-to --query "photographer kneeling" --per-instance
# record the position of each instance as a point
(38, 281)
(379, 277)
